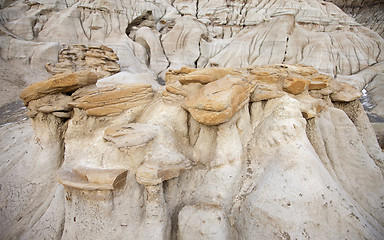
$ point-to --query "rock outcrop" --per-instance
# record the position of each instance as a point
(278, 151)
(244, 141)
(79, 57)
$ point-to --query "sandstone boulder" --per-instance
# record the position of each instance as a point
(57, 104)
(218, 101)
(265, 92)
(319, 82)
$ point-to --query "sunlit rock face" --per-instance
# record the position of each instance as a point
(269, 152)
(258, 132)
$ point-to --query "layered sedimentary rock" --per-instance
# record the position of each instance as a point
(79, 57)
(112, 100)
(278, 151)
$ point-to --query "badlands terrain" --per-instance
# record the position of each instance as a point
(191, 119)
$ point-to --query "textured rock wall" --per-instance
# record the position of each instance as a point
(200, 34)
(368, 13)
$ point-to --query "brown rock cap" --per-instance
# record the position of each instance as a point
(65, 83)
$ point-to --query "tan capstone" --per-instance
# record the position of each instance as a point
(114, 100)
(65, 83)
(218, 101)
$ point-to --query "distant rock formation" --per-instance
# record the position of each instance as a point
(368, 13)
(79, 57)
(270, 152)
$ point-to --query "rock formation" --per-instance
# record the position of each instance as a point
(257, 133)
(277, 151)
(79, 57)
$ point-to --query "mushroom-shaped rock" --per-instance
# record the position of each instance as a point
(92, 178)
(114, 100)
(130, 135)
(65, 83)
(218, 101)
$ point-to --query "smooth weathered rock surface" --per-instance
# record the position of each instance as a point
(130, 135)
(202, 34)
